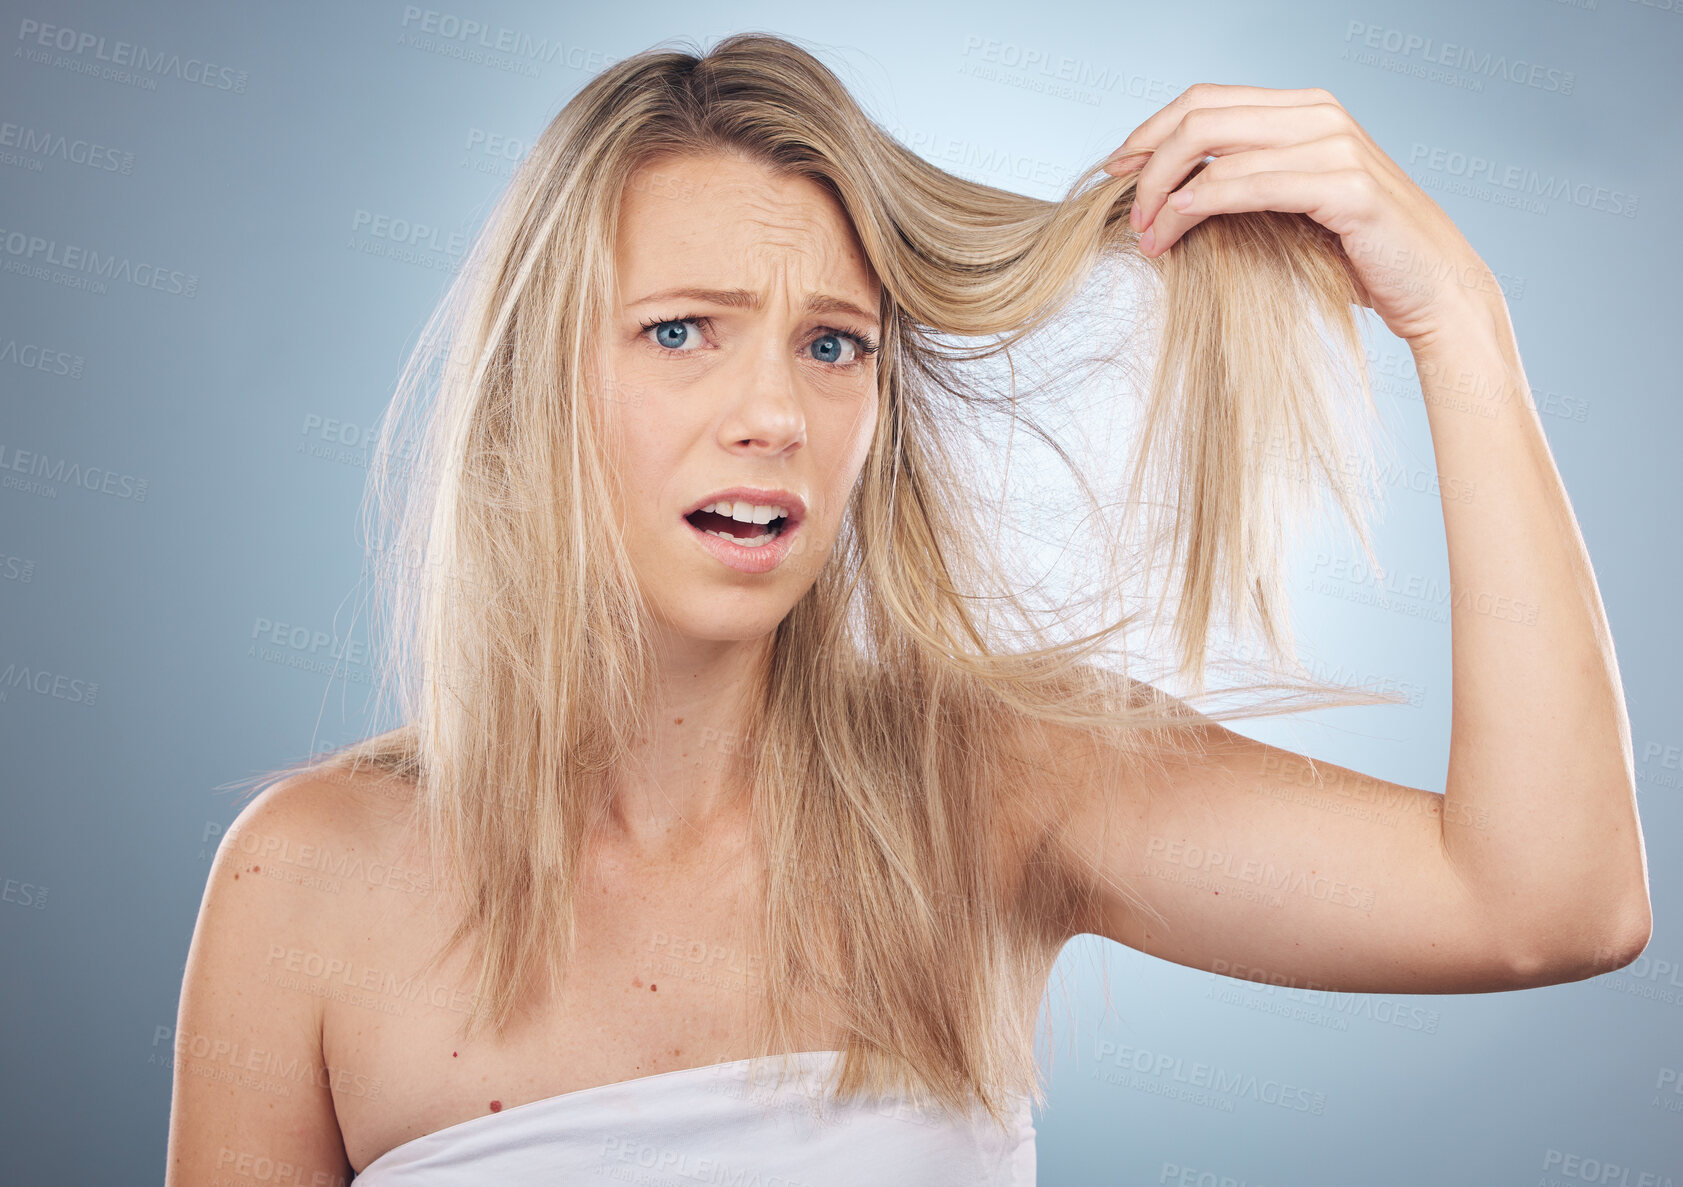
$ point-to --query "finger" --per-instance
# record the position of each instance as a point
(1340, 150)
(1329, 197)
(1220, 132)
(1214, 94)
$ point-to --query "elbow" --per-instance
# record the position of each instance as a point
(1637, 928)
(1601, 943)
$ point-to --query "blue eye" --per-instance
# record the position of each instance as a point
(671, 333)
(831, 351)
(672, 336)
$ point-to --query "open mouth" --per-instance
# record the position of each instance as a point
(748, 535)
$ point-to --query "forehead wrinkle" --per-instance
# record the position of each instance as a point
(802, 236)
(822, 271)
(769, 263)
(778, 231)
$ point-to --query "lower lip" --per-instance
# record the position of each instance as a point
(747, 560)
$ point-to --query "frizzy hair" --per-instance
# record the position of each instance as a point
(914, 693)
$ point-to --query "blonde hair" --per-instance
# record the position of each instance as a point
(892, 744)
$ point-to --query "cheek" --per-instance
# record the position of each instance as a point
(853, 431)
(650, 445)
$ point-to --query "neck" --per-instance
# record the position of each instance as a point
(685, 780)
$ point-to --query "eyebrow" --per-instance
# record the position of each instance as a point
(743, 299)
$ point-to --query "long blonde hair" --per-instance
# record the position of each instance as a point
(888, 751)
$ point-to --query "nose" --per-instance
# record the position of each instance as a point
(765, 419)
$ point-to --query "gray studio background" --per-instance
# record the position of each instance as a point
(182, 454)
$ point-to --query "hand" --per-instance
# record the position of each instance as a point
(1300, 151)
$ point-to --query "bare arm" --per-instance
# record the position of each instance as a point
(252, 1101)
(1529, 869)
(1250, 860)
(1540, 743)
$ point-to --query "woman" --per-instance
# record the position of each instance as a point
(722, 740)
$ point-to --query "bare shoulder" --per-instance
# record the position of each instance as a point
(1053, 764)
(332, 801)
(292, 841)
(1034, 787)
(250, 1080)
(310, 835)
(1062, 777)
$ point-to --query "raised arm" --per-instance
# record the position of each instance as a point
(1529, 869)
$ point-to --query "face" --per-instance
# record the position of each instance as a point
(756, 388)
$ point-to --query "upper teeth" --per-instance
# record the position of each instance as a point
(748, 512)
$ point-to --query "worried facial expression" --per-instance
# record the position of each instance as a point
(742, 387)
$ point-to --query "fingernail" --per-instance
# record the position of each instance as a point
(1148, 241)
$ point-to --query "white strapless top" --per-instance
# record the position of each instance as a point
(725, 1123)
